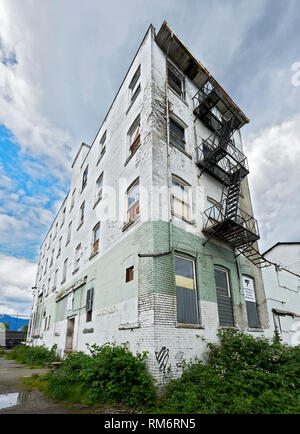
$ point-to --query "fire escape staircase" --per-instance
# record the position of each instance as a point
(218, 156)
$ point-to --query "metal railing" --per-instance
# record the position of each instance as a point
(207, 152)
(216, 214)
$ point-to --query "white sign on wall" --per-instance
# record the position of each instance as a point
(249, 291)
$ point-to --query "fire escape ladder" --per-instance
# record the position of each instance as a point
(231, 194)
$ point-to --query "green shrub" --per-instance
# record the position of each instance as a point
(110, 374)
(240, 375)
(33, 356)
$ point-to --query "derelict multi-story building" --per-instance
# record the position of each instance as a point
(155, 243)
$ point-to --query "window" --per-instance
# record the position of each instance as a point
(48, 286)
(45, 271)
(129, 274)
(177, 134)
(55, 280)
(102, 145)
(69, 233)
(133, 202)
(63, 217)
(81, 214)
(250, 299)
(77, 258)
(73, 199)
(135, 87)
(59, 246)
(99, 187)
(175, 80)
(96, 235)
(84, 178)
(186, 291)
(224, 301)
(180, 199)
(49, 319)
(64, 275)
(56, 229)
(134, 136)
(52, 256)
(89, 304)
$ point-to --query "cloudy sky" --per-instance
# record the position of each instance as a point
(61, 64)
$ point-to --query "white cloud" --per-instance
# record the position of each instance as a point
(274, 159)
(17, 276)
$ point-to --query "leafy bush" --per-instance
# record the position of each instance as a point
(240, 375)
(110, 374)
(33, 356)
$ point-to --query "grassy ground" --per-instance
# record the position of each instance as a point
(240, 375)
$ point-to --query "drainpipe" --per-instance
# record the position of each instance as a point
(168, 147)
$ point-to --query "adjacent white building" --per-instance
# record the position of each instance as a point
(282, 288)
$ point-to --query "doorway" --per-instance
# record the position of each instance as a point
(69, 335)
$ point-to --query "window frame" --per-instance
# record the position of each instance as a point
(137, 201)
(193, 261)
(98, 191)
(180, 76)
(135, 85)
(186, 186)
(229, 294)
(77, 258)
(81, 214)
(133, 145)
(179, 125)
(95, 242)
(64, 273)
(84, 178)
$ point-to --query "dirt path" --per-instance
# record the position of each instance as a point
(14, 399)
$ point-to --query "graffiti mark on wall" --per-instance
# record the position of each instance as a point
(162, 358)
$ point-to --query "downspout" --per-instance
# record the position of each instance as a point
(168, 147)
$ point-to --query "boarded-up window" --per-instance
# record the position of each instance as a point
(96, 235)
(89, 304)
(129, 274)
(180, 200)
(134, 136)
(224, 301)
(186, 291)
(250, 299)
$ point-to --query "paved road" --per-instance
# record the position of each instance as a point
(12, 392)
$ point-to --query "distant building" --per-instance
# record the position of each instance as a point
(155, 243)
(15, 323)
(12, 330)
(282, 288)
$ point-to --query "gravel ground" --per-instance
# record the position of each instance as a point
(12, 392)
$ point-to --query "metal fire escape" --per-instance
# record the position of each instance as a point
(219, 156)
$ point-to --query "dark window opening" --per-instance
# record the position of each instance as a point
(176, 81)
(177, 134)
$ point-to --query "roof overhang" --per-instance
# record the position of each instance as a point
(182, 57)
